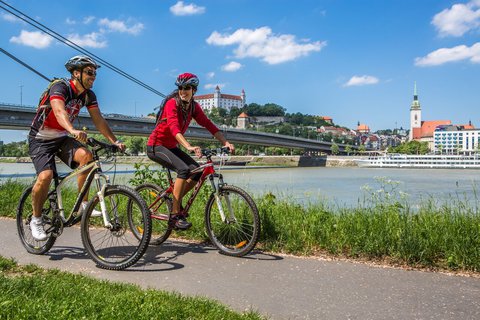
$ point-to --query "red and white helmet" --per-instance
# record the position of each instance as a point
(187, 79)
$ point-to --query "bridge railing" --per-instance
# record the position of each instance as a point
(20, 116)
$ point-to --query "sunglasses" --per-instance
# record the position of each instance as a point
(184, 87)
(91, 73)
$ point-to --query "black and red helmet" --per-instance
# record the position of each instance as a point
(187, 79)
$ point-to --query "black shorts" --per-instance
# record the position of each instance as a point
(43, 152)
(174, 159)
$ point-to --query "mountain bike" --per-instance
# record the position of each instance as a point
(231, 216)
(108, 238)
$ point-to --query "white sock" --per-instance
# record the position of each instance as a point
(37, 220)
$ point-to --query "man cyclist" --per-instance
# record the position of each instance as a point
(162, 145)
(51, 127)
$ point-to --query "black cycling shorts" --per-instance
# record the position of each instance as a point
(174, 159)
(43, 152)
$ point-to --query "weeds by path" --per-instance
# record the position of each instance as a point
(29, 292)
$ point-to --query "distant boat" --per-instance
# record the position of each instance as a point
(433, 161)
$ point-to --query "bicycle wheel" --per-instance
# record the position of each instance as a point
(116, 247)
(238, 234)
(24, 216)
(159, 211)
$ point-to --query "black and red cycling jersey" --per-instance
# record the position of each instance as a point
(45, 125)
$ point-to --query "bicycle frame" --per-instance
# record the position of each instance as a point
(208, 171)
(94, 174)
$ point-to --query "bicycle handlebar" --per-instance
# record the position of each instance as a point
(98, 145)
(212, 152)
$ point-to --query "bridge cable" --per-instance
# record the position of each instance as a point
(22, 16)
(24, 64)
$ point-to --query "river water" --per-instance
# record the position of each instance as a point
(339, 186)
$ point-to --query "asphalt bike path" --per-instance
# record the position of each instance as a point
(279, 287)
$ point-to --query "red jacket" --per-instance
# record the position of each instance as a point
(165, 131)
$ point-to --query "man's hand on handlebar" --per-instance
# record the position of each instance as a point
(120, 145)
(79, 135)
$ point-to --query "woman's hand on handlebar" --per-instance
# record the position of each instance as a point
(197, 150)
(230, 146)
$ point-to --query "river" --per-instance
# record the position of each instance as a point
(339, 186)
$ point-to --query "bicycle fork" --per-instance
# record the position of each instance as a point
(101, 198)
(218, 198)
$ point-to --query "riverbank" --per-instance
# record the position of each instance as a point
(383, 228)
(271, 161)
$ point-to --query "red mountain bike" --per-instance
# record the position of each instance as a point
(231, 217)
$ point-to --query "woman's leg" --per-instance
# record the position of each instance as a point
(169, 159)
(191, 181)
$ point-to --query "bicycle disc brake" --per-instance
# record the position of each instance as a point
(117, 229)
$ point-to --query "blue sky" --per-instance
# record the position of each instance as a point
(352, 60)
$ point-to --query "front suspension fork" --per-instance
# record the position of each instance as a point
(217, 194)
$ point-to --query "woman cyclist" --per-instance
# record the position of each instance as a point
(162, 145)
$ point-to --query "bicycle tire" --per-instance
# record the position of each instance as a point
(161, 228)
(239, 235)
(116, 248)
(24, 216)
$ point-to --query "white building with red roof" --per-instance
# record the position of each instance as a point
(441, 134)
(221, 100)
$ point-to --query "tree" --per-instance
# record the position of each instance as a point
(412, 147)
(335, 149)
(348, 149)
(135, 145)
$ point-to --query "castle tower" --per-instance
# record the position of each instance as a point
(216, 97)
(415, 113)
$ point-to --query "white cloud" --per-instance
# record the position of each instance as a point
(88, 20)
(458, 20)
(36, 39)
(361, 81)
(444, 55)
(70, 21)
(210, 75)
(231, 66)
(263, 44)
(181, 9)
(92, 40)
(120, 26)
(10, 17)
(209, 86)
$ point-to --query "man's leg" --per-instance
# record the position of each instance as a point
(40, 191)
(39, 195)
(82, 156)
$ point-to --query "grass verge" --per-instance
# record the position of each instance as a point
(29, 292)
(382, 227)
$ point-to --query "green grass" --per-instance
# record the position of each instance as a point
(29, 292)
(382, 226)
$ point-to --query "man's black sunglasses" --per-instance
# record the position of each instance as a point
(91, 73)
